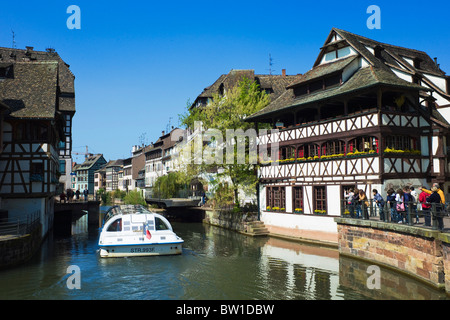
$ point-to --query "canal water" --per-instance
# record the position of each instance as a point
(216, 264)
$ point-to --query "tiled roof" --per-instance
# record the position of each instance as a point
(90, 161)
(377, 73)
(277, 83)
(31, 93)
(65, 78)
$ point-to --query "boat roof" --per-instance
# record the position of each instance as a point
(125, 209)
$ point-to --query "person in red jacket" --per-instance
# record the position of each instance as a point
(423, 199)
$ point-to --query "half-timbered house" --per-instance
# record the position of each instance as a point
(29, 163)
(64, 101)
(367, 115)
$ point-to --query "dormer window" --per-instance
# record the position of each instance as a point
(328, 82)
(5, 71)
(417, 62)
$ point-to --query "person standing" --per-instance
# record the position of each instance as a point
(426, 207)
(85, 193)
(439, 191)
(415, 200)
(364, 204)
(400, 205)
(350, 202)
(408, 201)
(390, 200)
(436, 201)
(379, 201)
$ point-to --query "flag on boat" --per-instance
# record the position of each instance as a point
(147, 232)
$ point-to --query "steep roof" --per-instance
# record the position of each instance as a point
(377, 72)
(90, 161)
(65, 78)
(32, 91)
(275, 83)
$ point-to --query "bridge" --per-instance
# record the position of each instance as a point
(69, 212)
(175, 202)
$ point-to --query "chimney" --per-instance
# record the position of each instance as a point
(162, 133)
(283, 72)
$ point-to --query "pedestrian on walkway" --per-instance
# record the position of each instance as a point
(435, 200)
(408, 201)
(415, 199)
(379, 201)
(390, 200)
(62, 197)
(350, 202)
(364, 204)
(400, 205)
(426, 207)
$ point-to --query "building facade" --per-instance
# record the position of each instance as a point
(368, 115)
(37, 89)
(85, 172)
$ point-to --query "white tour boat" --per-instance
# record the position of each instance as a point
(132, 230)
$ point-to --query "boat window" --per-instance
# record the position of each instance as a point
(160, 225)
(116, 225)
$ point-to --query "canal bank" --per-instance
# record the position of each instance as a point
(418, 252)
(216, 264)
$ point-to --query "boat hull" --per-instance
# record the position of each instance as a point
(136, 250)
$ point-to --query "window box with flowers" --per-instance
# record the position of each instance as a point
(298, 210)
(320, 212)
(357, 154)
(392, 151)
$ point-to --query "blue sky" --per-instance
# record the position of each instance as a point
(138, 62)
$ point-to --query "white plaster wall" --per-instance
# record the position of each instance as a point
(289, 199)
(301, 222)
(333, 200)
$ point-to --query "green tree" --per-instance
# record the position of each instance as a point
(134, 197)
(229, 112)
(169, 185)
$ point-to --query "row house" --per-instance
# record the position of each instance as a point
(112, 170)
(32, 88)
(161, 157)
(100, 179)
(85, 172)
(272, 84)
(126, 175)
(368, 115)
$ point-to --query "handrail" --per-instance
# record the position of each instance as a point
(409, 212)
(16, 227)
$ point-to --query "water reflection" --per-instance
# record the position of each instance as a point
(215, 264)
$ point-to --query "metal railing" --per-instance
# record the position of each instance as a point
(16, 227)
(429, 215)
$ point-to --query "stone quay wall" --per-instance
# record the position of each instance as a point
(14, 251)
(229, 220)
(419, 252)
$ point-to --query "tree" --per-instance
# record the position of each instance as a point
(168, 186)
(134, 197)
(228, 112)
